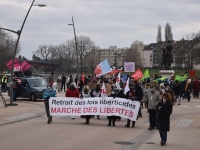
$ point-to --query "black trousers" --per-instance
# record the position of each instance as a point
(152, 117)
(188, 95)
(196, 94)
(63, 85)
(47, 112)
(129, 121)
(111, 119)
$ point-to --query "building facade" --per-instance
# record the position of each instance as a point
(113, 54)
(139, 46)
(148, 55)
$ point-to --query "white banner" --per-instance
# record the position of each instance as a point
(107, 106)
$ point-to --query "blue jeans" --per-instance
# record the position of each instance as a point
(183, 94)
(163, 135)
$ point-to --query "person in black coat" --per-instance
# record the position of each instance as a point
(63, 83)
(138, 95)
(130, 95)
(112, 119)
(164, 110)
(177, 91)
(183, 93)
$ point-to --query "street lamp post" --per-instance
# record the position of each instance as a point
(76, 46)
(15, 50)
(81, 56)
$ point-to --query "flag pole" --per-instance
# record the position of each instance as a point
(22, 71)
(35, 70)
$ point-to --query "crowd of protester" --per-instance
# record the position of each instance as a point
(156, 95)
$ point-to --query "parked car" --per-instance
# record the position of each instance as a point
(31, 87)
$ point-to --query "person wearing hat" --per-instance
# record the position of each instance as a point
(72, 91)
(49, 92)
(153, 98)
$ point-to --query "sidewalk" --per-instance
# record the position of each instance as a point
(25, 109)
(184, 130)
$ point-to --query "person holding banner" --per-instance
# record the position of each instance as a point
(49, 92)
(72, 92)
(130, 95)
(113, 118)
(96, 93)
(86, 93)
(138, 94)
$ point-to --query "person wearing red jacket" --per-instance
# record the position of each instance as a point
(72, 91)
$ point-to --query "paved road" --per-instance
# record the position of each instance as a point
(66, 134)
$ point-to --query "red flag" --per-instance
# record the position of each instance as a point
(137, 75)
(9, 64)
(25, 66)
(192, 73)
(17, 67)
(83, 77)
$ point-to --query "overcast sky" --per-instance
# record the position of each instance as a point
(106, 22)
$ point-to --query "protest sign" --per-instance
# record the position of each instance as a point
(129, 66)
(107, 106)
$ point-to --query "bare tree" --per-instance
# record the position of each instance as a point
(85, 45)
(159, 35)
(57, 54)
(44, 52)
(168, 32)
(7, 46)
(90, 59)
(69, 54)
(132, 56)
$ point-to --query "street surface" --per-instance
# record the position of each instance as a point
(24, 127)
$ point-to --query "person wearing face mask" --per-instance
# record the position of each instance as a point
(72, 91)
(86, 93)
(162, 87)
(153, 98)
(169, 90)
(146, 90)
(130, 95)
(49, 92)
(163, 112)
(96, 92)
(112, 119)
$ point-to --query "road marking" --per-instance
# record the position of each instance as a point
(197, 106)
(183, 105)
